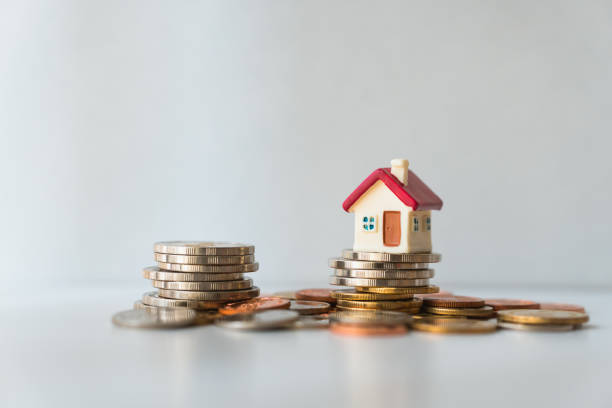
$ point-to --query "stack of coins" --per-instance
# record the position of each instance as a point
(200, 275)
(541, 320)
(382, 281)
(457, 306)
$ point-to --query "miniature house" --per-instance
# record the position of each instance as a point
(392, 210)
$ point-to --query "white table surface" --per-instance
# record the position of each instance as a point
(59, 348)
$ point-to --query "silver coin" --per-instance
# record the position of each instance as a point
(225, 295)
(385, 274)
(241, 268)
(154, 273)
(378, 283)
(205, 286)
(204, 259)
(153, 299)
(203, 248)
(537, 327)
(379, 317)
(339, 263)
(270, 319)
(388, 257)
(163, 318)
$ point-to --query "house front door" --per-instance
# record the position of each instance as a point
(392, 230)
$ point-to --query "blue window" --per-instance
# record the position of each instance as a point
(415, 224)
(369, 223)
(428, 222)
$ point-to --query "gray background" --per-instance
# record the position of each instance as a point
(127, 122)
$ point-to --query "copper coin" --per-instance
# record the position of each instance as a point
(504, 304)
(440, 293)
(319, 295)
(453, 301)
(255, 305)
(309, 307)
(562, 306)
(367, 330)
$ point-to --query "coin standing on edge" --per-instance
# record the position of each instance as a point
(388, 257)
(270, 319)
(203, 248)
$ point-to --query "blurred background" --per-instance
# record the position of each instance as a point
(129, 122)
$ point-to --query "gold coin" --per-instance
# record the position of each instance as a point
(438, 325)
(538, 316)
(241, 268)
(537, 327)
(226, 295)
(309, 307)
(387, 257)
(153, 299)
(381, 283)
(205, 259)
(374, 317)
(203, 248)
(352, 294)
(381, 304)
(405, 311)
(424, 315)
(483, 311)
(400, 291)
(154, 273)
(385, 274)
(340, 263)
(204, 286)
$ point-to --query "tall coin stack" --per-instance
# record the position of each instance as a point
(382, 281)
(200, 275)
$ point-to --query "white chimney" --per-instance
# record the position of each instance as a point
(399, 168)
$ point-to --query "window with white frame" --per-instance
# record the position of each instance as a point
(368, 223)
(415, 224)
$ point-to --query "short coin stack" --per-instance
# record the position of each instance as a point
(200, 275)
(457, 306)
(382, 281)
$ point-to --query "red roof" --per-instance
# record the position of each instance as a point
(415, 194)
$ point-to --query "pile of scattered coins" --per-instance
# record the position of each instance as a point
(202, 282)
(382, 281)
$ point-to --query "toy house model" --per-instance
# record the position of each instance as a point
(392, 210)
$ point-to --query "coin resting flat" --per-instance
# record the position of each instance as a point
(414, 304)
(271, 319)
(437, 325)
(370, 317)
(352, 294)
(163, 318)
(389, 257)
(405, 291)
(340, 263)
(153, 299)
(202, 248)
(385, 274)
(382, 283)
(483, 311)
(205, 286)
(204, 259)
(538, 316)
(241, 268)
(227, 295)
(155, 273)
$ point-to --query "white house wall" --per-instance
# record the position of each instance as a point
(374, 202)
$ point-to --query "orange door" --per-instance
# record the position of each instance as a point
(392, 229)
